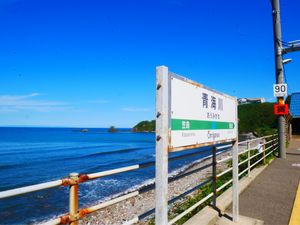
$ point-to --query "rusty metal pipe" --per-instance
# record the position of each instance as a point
(73, 199)
(255, 139)
(52, 222)
(254, 164)
(65, 219)
(247, 150)
(75, 214)
(111, 172)
(190, 209)
(28, 189)
(66, 182)
(272, 140)
(223, 146)
(224, 185)
(249, 161)
(110, 202)
(225, 171)
(224, 159)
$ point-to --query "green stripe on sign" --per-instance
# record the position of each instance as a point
(179, 124)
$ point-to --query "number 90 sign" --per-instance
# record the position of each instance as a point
(280, 90)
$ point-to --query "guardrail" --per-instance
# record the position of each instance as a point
(268, 146)
(266, 149)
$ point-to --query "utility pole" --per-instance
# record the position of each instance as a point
(279, 72)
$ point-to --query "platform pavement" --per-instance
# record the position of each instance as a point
(270, 197)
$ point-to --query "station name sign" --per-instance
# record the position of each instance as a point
(199, 116)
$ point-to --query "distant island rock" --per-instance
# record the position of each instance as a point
(84, 130)
(144, 126)
(112, 129)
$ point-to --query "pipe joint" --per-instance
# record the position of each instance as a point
(73, 179)
(65, 219)
(74, 217)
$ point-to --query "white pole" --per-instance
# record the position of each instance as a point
(235, 176)
(162, 142)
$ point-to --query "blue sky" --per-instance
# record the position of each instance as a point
(92, 63)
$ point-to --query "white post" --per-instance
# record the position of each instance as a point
(264, 150)
(162, 142)
(249, 155)
(235, 177)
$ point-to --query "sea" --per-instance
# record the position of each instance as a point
(31, 156)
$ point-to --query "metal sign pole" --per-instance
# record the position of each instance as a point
(214, 174)
(279, 73)
(235, 177)
(235, 182)
(162, 143)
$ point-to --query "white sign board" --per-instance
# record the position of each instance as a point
(189, 115)
(200, 116)
(280, 90)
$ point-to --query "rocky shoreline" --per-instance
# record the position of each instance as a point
(126, 210)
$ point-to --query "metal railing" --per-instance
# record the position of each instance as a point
(268, 146)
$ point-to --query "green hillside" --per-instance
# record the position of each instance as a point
(258, 118)
(144, 126)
